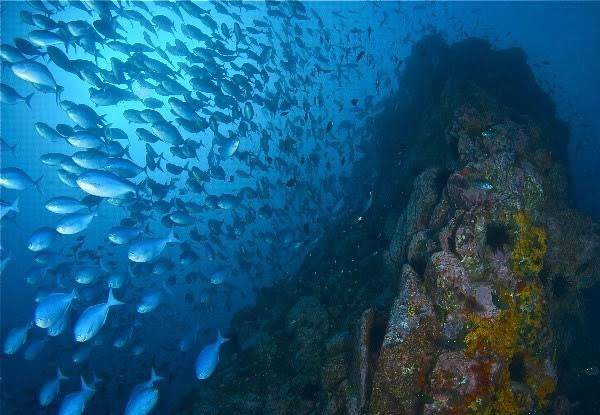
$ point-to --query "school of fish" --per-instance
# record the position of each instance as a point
(206, 133)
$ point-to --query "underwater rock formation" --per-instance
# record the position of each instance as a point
(449, 296)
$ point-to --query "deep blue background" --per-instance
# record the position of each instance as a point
(560, 39)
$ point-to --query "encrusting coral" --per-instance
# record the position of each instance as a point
(530, 246)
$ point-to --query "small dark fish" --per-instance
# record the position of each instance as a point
(329, 127)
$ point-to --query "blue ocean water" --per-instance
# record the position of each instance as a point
(329, 68)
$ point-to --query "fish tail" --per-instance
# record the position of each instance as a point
(154, 377)
(127, 153)
(59, 90)
(28, 99)
(85, 386)
(160, 157)
(96, 379)
(103, 266)
(220, 338)
(15, 205)
(60, 375)
(167, 289)
(96, 211)
(105, 131)
(112, 300)
(172, 237)
(37, 182)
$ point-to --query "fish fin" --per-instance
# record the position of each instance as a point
(15, 205)
(112, 300)
(172, 237)
(103, 266)
(60, 375)
(167, 289)
(28, 99)
(127, 153)
(36, 183)
(59, 90)
(96, 379)
(221, 339)
(85, 386)
(59, 282)
(154, 377)
(160, 157)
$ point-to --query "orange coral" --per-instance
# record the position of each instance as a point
(530, 247)
(514, 330)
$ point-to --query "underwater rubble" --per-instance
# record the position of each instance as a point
(462, 290)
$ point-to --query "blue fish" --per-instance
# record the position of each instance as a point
(16, 179)
(52, 308)
(81, 355)
(34, 348)
(16, 339)
(116, 280)
(50, 389)
(6, 208)
(104, 184)
(76, 222)
(74, 403)
(39, 75)
(9, 96)
(188, 340)
(143, 397)
(209, 357)
(64, 205)
(149, 301)
(60, 326)
(121, 235)
(93, 318)
(41, 239)
(145, 250)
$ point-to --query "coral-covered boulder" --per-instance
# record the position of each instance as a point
(408, 351)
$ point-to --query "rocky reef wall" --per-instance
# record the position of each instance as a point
(458, 291)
